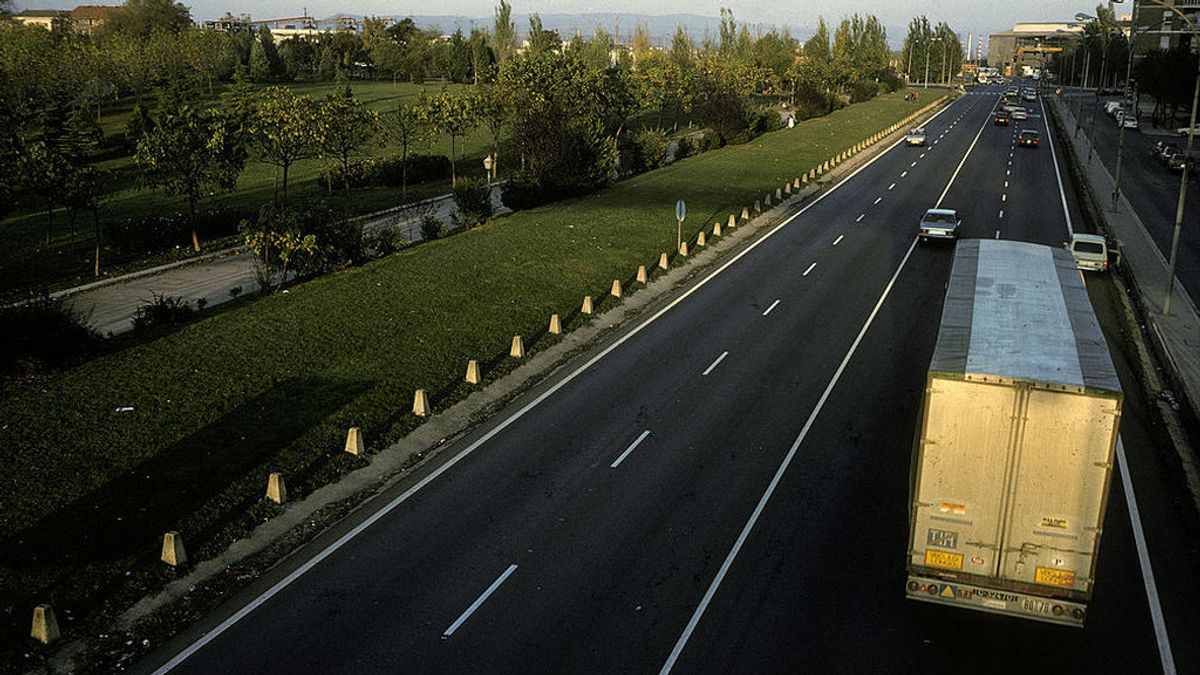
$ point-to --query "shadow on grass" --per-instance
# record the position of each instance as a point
(131, 512)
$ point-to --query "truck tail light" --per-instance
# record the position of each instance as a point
(1077, 614)
(1058, 610)
(913, 586)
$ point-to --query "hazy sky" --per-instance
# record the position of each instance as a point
(963, 15)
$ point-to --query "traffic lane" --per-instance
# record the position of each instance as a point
(1033, 209)
(820, 584)
(303, 611)
(1168, 515)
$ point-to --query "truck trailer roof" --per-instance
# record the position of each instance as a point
(1020, 311)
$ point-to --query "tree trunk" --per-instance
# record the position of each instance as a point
(96, 225)
(453, 169)
(192, 215)
(49, 221)
(285, 179)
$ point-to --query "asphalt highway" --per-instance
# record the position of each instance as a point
(722, 487)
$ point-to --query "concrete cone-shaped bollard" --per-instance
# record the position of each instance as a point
(472, 376)
(276, 488)
(683, 249)
(757, 206)
(354, 441)
(555, 325)
(732, 223)
(615, 291)
(717, 229)
(778, 194)
(767, 199)
(796, 184)
(787, 188)
(587, 307)
(518, 348)
(45, 626)
(421, 405)
(700, 240)
(173, 552)
(662, 261)
(745, 213)
(642, 277)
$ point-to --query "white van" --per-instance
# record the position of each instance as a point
(1089, 251)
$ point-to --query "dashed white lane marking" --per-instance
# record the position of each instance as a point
(479, 601)
(1004, 197)
(891, 186)
(1008, 172)
(1139, 539)
(1005, 185)
(935, 141)
(632, 446)
(839, 239)
(997, 234)
(716, 363)
(1001, 213)
(922, 156)
(773, 306)
(878, 199)
(912, 165)
(859, 218)
(810, 268)
(903, 174)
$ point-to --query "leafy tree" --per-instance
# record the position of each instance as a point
(208, 54)
(407, 128)
(482, 58)
(682, 47)
(344, 128)
(45, 169)
(452, 115)
(265, 63)
(504, 33)
(278, 243)
(817, 46)
(190, 153)
(140, 18)
(283, 131)
(540, 39)
(489, 109)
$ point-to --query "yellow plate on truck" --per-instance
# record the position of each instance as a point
(1053, 577)
(943, 559)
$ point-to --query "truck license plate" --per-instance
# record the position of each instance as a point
(943, 559)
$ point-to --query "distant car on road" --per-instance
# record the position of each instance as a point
(1183, 131)
(1020, 113)
(939, 224)
(1029, 96)
(1162, 147)
(1167, 153)
(1112, 108)
(915, 136)
(1001, 118)
(1129, 122)
(1177, 161)
(1028, 138)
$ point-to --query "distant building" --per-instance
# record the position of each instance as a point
(1161, 28)
(87, 18)
(42, 17)
(1028, 45)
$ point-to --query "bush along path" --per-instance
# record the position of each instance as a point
(180, 433)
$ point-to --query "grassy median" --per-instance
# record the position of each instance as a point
(89, 485)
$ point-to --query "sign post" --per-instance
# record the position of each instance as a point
(680, 214)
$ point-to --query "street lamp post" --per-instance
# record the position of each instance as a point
(908, 72)
(936, 39)
(487, 170)
(942, 70)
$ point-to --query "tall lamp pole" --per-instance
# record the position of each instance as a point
(1129, 98)
(936, 39)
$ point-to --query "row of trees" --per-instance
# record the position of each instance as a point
(931, 53)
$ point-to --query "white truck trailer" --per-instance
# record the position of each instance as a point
(1014, 449)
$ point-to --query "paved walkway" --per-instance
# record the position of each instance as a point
(1177, 334)
(110, 305)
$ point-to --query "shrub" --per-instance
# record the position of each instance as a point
(863, 90)
(43, 334)
(339, 241)
(431, 227)
(710, 140)
(728, 115)
(643, 150)
(163, 231)
(474, 200)
(684, 148)
(162, 310)
(381, 241)
(389, 171)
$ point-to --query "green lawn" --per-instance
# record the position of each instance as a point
(273, 384)
(27, 261)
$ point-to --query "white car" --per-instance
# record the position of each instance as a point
(939, 224)
(1020, 113)
(915, 136)
(1183, 131)
(1090, 252)
(1129, 121)
(1113, 107)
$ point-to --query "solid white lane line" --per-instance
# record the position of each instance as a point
(891, 186)
(810, 268)
(773, 306)
(859, 218)
(771, 487)
(878, 199)
(1057, 174)
(329, 550)
(716, 363)
(903, 174)
(479, 601)
(629, 449)
(839, 239)
(1139, 539)
(960, 164)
